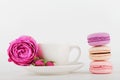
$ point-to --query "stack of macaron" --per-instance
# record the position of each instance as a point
(99, 53)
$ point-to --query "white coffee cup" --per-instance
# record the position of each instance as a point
(59, 53)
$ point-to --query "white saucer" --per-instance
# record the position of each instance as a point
(54, 69)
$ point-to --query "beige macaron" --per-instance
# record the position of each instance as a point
(100, 53)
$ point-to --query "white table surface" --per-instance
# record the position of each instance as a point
(13, 72)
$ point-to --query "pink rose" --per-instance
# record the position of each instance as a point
(23, 50)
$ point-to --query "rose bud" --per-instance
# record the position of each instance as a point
(39, 63)
(49, 63)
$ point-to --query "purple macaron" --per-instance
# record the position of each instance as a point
(98, 39)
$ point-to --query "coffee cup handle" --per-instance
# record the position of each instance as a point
(78, 56)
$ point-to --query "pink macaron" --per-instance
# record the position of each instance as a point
(98, 39)
(100, 67)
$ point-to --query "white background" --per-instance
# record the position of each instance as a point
(61, 21)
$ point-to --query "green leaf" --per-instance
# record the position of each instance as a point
(45, 61)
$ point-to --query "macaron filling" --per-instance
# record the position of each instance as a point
(97, 39)
(102, 53)
(101, 67)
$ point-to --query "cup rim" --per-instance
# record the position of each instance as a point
(54, 43)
